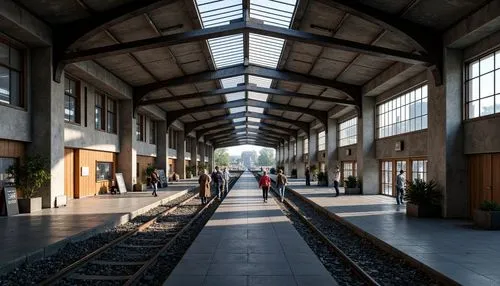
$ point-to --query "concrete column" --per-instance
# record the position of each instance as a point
(331, 149)
(278, 157)
(313, 148)
(298, 158)
(286, 158)
(162, 146)
(201, 150)
(446, 161)
(194, 154)
(368, 167)
(180, 163)
(211, 159)
(47, 107)
(127, 158)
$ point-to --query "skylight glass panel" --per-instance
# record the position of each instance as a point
(253, 126)
(237, 109)
(239, 126)
(236, 120)
(256, 109)
(257, 96)
(240, 133)
(253, 119)
(252, 133)
(273, 12)
(227, 51)
(265, 51)
(232, 81)
(235, 96)
(260, 81)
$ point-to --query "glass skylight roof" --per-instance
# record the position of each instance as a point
(237, 109)
(239, 119)
(240, 133)
(252, 133)
(232, 81)
(253, 126)
(240, 126)
(253, 119)
(273, 12)
(235, 96)
(256, 109)
(227, 51)
(260, 81)
(265, 51)
(257, 96)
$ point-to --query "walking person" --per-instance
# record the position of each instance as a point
(154, 181)
(308, 177)
(281, 181)
(400, 187)
(336, 179)
(265, 184)
(217, 182)
(226, 176)
(204, 181)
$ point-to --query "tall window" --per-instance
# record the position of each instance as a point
(152, 132)
(140, 128)
(387, 178)
(348, 131)
(71, 101)
(99, 111)
(11, 71)
(104, 171)
(294, 147)
(321, 141)
(306, 146)
(419, 170)
(111, 111)
(5, 163)
(348, 169)
(483, 86)
(172, 139)
(405, 113)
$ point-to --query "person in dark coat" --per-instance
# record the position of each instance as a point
(204, 181)
(308, 177)
(217, 180)
(154, 182)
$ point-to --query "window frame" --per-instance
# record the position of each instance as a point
(344, 128)
(76, 98)
(305, 146)
(23, 54)
(153, 129)
(101, 106)
(111, 171)
(111, 114)
(139, 130)
(322, 137)
(395, 171)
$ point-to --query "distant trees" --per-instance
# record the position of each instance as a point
(221, 157)
(266, 157)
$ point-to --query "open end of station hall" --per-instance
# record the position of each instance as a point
(364, 104)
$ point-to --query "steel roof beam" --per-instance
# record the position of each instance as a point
(258, 143)
(267, 127)
(229, 133)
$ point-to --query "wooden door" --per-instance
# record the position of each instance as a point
(69, 173)
(480, 175)
(495, 177)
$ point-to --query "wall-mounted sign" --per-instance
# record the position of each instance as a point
(347, 152)
(85, 171)
(398, 146)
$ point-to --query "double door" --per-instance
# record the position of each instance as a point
(484, 179)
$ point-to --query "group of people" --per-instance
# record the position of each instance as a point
(217, 182)
(265, 184)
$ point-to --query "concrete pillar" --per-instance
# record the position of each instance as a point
(279, 158)
(194, 153)
(127, 158)
(331, 149)
(47, 107)
(180, 163)
(286, 158)
(313, 148)
(201, 150)
(162, 146)
(446, 161)
(368, 167)
(299, 162)
(211, 159)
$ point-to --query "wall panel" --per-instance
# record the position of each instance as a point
(87, 185)
(69, 173)
(142, 163)
(11, 149)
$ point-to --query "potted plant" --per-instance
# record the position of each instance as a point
(488, 215)
(294, 173)
(423, 199)
(202, 167)
(314, 172)
(322, 179)
(190, 171)
(29, 176)
(351, 186)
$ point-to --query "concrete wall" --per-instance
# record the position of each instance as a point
(414, 145)
(342, 153)
(482, 135)
(145, 149)
(15, 123)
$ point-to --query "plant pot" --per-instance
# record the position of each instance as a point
(487, 219)
(422, 210)
(29, 205)
(323, 183)
(140, 187)
(352, 191)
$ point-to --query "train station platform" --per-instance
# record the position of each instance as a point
(452, 247)
(35, 235)
(249, 242)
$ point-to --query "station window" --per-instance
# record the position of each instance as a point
(139, 131)
(5, 163)
(11, 72)
(419, 170)
(294, 147)
(172, 140)
(152, 132)
(482, 86)
(99, 111)
(111, 111)
(321, 141)
(306, 146)
(104, 171)
(71, 101)
(389, 169)
(403, 114)
(348, 131)
(348, 169)
(386, 178)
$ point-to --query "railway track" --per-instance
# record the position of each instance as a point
(366, 262)
(124, 260)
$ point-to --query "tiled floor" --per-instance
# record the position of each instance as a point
(26, 234)
(453, 247)
(248, 242)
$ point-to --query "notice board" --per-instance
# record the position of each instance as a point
(10, 196)
(163, 179)
(120, 182)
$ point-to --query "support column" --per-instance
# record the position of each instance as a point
(446, 161)
(286, 158)
(313, 148)
(162, 146)
(278, 161)
(368, 167)
(127, 158)
(47, 107)
(180, 163)
(331, 149)
(299, 162)
(194, 154)
(211, 159)
(201, 148)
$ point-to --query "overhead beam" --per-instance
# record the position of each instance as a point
(256, 138)
(257, 143)
(322, 116)
(229, 133)
(232, 125)
(247, 87)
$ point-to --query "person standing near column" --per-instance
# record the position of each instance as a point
(204, 181)
(281, 181)
(400, 187)
(226, 177)
(308, 177)
(217, 180)
(336, 179)
(154, 182)
(265, 184)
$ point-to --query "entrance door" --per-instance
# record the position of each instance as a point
(484, 182)
(69, 173)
